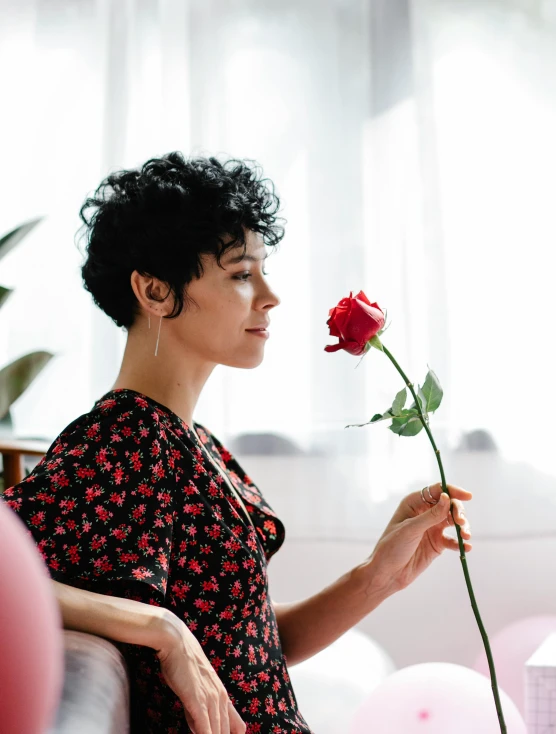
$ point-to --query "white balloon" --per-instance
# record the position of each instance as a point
(435, 698)
(331, 685)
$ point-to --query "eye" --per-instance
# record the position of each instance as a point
(244, 276)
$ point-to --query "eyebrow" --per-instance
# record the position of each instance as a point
(241, 258)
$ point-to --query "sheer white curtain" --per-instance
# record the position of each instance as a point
(106, 85)
(427, 183)
(494, 109)
(459, 178)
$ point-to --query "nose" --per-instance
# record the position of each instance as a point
(269, 299)
(274, 299)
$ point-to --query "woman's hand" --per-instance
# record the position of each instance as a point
(188, 672)
(414, 537)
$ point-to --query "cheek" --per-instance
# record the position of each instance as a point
(220, 318)
(216, 327)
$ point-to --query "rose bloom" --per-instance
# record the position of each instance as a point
(354, 320)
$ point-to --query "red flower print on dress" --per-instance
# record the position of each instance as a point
(141, 573)
(125, 504)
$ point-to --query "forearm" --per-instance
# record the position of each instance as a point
(123, 620)
(307, 627)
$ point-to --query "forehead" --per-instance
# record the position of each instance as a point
(253, 250)
(231, 259)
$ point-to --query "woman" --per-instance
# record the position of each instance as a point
(154, 535)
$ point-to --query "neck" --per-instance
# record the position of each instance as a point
(172, 379)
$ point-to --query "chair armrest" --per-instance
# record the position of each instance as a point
(95, 697)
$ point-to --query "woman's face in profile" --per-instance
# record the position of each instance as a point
(231, 300)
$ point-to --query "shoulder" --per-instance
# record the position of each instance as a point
(121, 417)
(121, 437)
(123, 444)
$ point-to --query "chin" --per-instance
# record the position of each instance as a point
(245, 363)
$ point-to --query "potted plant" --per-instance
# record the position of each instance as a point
(16, 377)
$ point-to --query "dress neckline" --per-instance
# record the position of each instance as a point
(189, 429)
(156, 403)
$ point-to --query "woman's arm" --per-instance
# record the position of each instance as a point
(183, 663)
(307, 627)
(123, 620)
(413, 538)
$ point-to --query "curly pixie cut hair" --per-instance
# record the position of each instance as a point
(160, 218)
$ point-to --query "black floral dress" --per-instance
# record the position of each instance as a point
(126, 503)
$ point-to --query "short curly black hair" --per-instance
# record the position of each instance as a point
(160, 218)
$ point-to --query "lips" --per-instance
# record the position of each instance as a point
(261, 331)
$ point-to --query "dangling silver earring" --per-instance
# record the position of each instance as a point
(158, 337)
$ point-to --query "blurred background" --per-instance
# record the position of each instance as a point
(412, 145)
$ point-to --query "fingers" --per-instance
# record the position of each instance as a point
(452, 544)
(454, 491)
(414, 500)
(188, 672)
(206, 720)
(457, 511)
(237, 725)
(216, 720)
(458, 514)
(214, 715)
(442, 512)
(224, 717)
(435, 515)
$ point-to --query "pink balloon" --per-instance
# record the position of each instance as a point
(435, 698)
(511, 648)
(31, 638)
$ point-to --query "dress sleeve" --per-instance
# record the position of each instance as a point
(99, 505)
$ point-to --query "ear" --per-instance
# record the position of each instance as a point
(151, 293)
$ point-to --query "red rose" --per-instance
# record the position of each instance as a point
(355, 321)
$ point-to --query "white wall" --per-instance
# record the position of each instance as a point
(330, 528)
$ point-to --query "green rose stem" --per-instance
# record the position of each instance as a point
(461, 548)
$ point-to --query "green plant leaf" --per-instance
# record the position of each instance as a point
(4, 295)
(431, 392)
(399, 402)
(405, 421)
(376, 417)
(422, 401)
(382, 416)
(408, 424)
(12, 238)
(16, 377)
(396, 409)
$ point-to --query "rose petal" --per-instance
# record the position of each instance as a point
(331, 323)
(334, 347)
(353, 347)
(363, 297)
